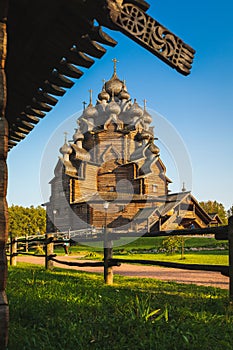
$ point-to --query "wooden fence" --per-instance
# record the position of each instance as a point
(48, 241)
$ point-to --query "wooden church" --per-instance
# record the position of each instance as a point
(112, 174)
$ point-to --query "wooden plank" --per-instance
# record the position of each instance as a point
(49, 245)
(35, 104)
(99, 35)
(220, 232)
(53, 89)
(42, 96)
(4, 311)
(60, 80)
(28, 118)
(230, 237)
(79, 58)
(34, 112)
(26, 125)
(91, 47)
(69, 70)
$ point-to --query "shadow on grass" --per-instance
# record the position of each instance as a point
(75, 310)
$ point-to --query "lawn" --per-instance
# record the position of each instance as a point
(208, 258)
(149, 243)
(64, 310)
(146, 248)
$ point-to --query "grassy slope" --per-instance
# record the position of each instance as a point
(64, 310)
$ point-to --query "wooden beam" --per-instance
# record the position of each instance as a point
(42, 96)
(91, 47)
(29, 118)
(4, 310)
(99, 35)
(79, 58)
(130, 19)
(69, 70)
(60, 80)
(230, 236)
(53, 89)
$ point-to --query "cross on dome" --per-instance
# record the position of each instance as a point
(84, 105)
(115, 65)
(65, 134)
(144, 101)
(90, 91)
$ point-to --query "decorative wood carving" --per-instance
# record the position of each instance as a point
(150, 34)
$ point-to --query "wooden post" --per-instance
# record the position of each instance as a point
(13, 252)
(230, 238)
(4, 310)
(108, 271)
(48, 250)
(26, 243)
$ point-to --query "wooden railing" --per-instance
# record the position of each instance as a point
(48, 241)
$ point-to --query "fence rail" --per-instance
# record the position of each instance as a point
(49, 240)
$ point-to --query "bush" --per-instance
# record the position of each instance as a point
(171, 245)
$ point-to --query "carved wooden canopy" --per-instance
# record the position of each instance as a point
(49, 41)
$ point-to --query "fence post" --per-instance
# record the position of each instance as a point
(26, 243)
(48, 251)
(230, 238)
(108, 271)
(13, 251)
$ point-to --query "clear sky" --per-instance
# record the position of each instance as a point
(198, 108)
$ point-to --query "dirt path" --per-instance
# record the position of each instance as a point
(204, 278)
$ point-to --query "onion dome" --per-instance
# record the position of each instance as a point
(65, 149)
(113, 107)
(146, 116)
(135, 110)
(114, 84)
(124, 95)
(103, 95)
(90, 111)
(78, 136)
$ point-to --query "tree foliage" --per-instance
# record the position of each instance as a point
(26, 221)
(230, 211)
(213, 207)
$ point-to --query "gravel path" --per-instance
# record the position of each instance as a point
(204, 278)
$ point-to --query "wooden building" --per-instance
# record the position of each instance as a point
(113, 158)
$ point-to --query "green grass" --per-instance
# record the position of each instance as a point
(202, 257)
(143, 248)
(64, 310)
(145, 244)
(148, 243)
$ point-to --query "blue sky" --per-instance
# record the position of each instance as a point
(199, 108)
